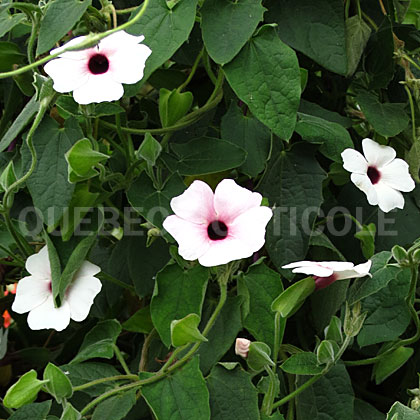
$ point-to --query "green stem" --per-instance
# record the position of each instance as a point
(22, 6)
(120, 358)
(297, 391)
(278, 337)
(192, 72)
(32, 38)
(88, 42)
(207, 67)
(359, 10)
(267, 404)
(413, 114)
(125, 11)
(107, 277)
(109, 379)
(21, 243)
(371, 21)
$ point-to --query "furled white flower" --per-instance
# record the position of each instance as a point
(96, 74)
(34, 294)
(327, 272)
(218, 227)
(242, 347)
(379, 174)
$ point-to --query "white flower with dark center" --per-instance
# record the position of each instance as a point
(218, 227)
(379, 174)
(96, 74)
(327, 272)
(34, 294)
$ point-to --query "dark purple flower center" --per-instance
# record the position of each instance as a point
(98, 64)
(217, 230)
(322, 282)
(373, 174)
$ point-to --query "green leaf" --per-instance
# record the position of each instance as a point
(50, 190)
(316, 29)
(24, 391)
(401, 412)
(81, 159)
(7, 177)
(412, 157)
(115, 408)
(263, 285)
(180, 396)
(173, 105)
(9, 55)
(165, 30)
(367, 238)
(227, 26)
(59, 385)
(177, 294)
(291, 299)
(312, 404)
(333, 137)
(108, 108)
(140, 322)
(197, 157)
(222, 335)
(35, 411)
(149, 149)
(293, 184)
(388, 314)
(99, 341)
(365, 411)
(151, 203)
(388, 119)
(247, 132)
(8, 21)
(60, 17)
(390, 363)
(334, 330)
(232, 394)
(304, 363)
(382, 274)
(270, 86)
(357, 36)
(259, 356)
(70, 413)
(185, 331)
(31, 108)
(325, 353)
(82, 373)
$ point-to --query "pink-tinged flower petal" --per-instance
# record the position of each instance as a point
(87, 269)
(118, 40)
(80, 296)
(100, 88)
(67, 74)
(376, 154)
(47, 316)
(231, 200)
(195, 204)
(192, 238)
(397, 176)
(337, 265)
(127, 64)
(73, 55)
(363, 183)
(224, 251)
(363, 269)
(31, 292)
(388, 198)
(249, 228)
(353, 161)
(242, 347)
(315, 270)
(299, 264)
(360, 270)
(39, 264)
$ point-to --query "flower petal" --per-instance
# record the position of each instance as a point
(337, 265)
(118, 40)
(47, 316)
(354, 161)
(80, 296)
(195, 204)
(363, 183)
(31, 292)
(74, 55)
(67, 74)
(315, 270)
(192, 238)
(231, 200)
(388, 198)
(224, 251)
(87, 269)
(127, 64)
(357, 271)
(99, 88)
(39, 264)
(397, 176)
(376, 154)
(300, 264)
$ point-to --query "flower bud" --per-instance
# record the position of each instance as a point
(400, 254)
(242, 347)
